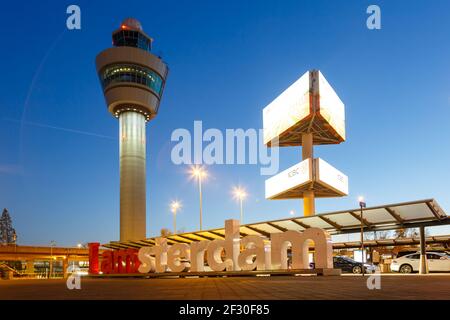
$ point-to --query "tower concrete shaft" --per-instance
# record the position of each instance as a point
(132, 176)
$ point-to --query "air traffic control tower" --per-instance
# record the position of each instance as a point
(307, 113)
(133, 81)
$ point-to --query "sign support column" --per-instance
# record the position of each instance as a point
(308, 196)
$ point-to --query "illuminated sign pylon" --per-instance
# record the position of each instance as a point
(307, 113)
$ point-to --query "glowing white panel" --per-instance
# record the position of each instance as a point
(265, 227)
(378, 216)
(332, 109)
(290, 225)
(316, 222)
(249, 231)
(286, 180)
(287, 109)
(414, 211)
(331, 177)
(344, 219)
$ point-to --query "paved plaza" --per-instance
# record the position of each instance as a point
(430, 287)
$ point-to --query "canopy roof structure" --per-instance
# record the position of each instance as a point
(444, 240)
(387, 217)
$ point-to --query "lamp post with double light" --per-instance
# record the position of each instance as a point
(199, 173)
(174, 206)
(362, 205)
(240, 194)
(52, 244)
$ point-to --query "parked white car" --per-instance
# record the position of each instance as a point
(411, 262)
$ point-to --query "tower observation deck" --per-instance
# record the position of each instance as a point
(133, 80)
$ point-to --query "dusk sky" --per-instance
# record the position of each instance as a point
(59, 160)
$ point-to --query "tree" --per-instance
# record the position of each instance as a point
(407, 233)
(165, 232)
(378, 235)
(7, 232)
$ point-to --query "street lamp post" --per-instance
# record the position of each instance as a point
(240, 195)
(362, 204)
(199, 173)
(52, 244)
(201, 200)
(242, 214)
(174, 206)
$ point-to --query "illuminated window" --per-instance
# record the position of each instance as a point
(118, 73)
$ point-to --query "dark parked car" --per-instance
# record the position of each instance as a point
(349, 265)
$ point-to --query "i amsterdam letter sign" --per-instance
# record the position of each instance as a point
(231, 254)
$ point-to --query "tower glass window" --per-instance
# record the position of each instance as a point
(131, 38)
(118, 73)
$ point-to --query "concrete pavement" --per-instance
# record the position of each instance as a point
(234, 288)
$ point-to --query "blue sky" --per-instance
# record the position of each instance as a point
(227, 61)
